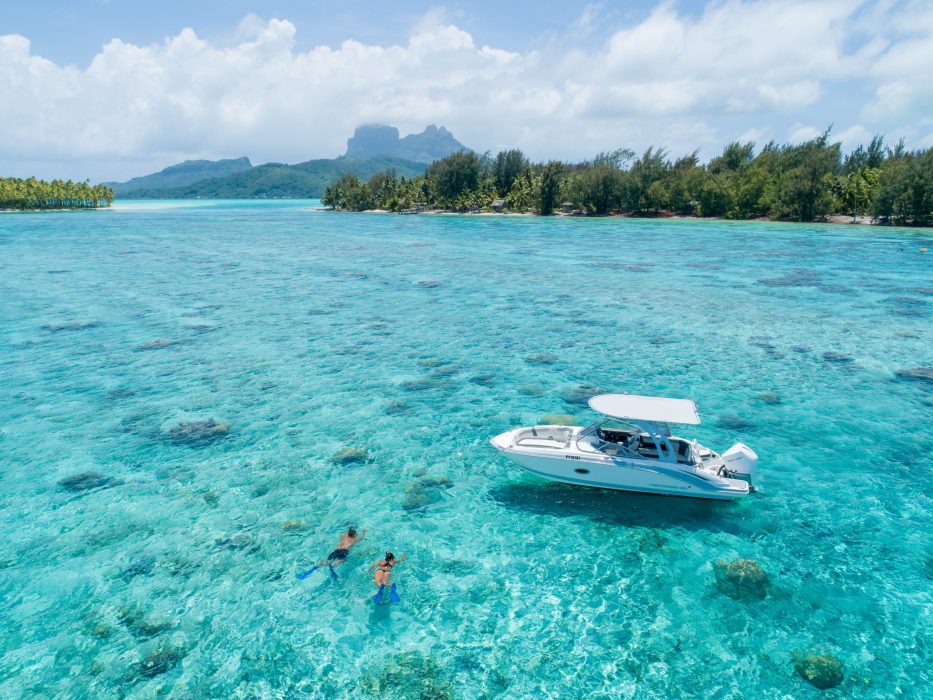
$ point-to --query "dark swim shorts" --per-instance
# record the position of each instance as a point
(338, 554)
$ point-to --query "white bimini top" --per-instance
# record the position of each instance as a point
(646, 408)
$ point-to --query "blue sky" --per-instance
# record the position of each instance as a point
(72, 32)
(108, 89)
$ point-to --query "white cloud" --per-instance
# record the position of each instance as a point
(671, 79)
(754, 135)
(853, 137)
(800, 133)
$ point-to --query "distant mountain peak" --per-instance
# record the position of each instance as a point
(370, 140)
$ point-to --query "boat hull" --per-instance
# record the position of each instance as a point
(639, 476)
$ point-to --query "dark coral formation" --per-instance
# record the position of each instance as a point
(920, 374)
(821, 670)
(836, 358)
(139, 625)
(771, 398)
(580, 394)
(157, 344)
(541, 358)
(199, 433)
(160, 659)
(70, 326)
(427, 383)
(425, 492)
(483, 379)
(557, 419)
(139, 567)
(795, 278)
(445, 371)
(85, 481)
(409, 675)
(396, 408)
(732, 422)
(742, 579)
(350, 455)
(240, 542)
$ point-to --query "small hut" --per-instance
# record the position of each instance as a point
(566, 207)
(498, 205)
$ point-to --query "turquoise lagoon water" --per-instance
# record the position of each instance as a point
(417, 338)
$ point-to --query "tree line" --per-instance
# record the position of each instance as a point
(791, 182)
(30, 193)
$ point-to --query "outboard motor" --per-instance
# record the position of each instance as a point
(741, 462)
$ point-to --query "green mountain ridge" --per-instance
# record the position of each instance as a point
(372, 149)
(278, 180)
(182, 174)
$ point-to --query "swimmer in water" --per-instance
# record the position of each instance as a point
(339, 555)
(383, 572)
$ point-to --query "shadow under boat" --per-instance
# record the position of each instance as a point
(619, 507)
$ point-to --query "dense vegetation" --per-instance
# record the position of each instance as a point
(802, 182)
(31, 193)
(238, 179)
(180, 175)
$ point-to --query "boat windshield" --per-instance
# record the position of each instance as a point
(615, 431)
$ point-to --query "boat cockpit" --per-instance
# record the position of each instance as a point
(618, 439)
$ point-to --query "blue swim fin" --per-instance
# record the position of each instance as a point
(394, 596)
(378, 597)
(302, 575)
(333, 574)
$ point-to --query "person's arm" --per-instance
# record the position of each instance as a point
(362, 535)
(373, 566)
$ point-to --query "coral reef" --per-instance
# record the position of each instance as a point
(742, 579)
(557, 419)
(837, 358)
(408, 676)
(424, 492)
(141, 626)
(157, 344)
(581, 393)
(731, 422)
(821, 670)
(198, 433)
(85, 481)
(160, 659)
(922, 374)
(541, 358)
(69, 326)
(350, 455)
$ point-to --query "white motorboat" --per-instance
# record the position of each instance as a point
(632, 449)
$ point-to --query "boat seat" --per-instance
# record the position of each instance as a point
(540, 442)
(646, 448)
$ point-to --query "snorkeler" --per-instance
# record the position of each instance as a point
(339, 555)
(383, 571)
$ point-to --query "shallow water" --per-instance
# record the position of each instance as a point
(417, 338)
